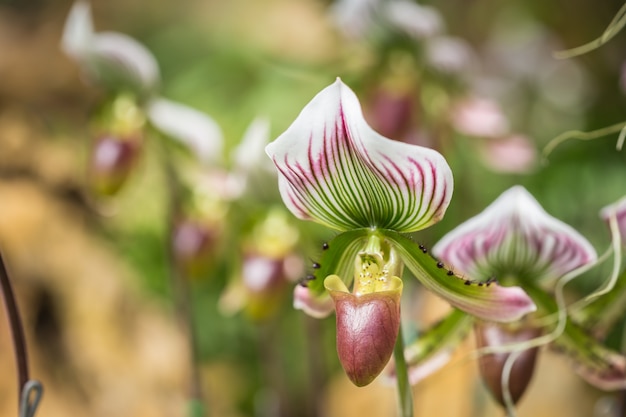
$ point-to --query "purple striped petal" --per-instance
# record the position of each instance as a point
(335, 170)
(515, 236)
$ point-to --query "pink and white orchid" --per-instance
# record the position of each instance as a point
(336, 170)
(515, 237)
(516, 241)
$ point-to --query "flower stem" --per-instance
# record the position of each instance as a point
(181, 287)
(405, 395)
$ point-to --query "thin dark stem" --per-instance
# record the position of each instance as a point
(405, 394)
(17, 330)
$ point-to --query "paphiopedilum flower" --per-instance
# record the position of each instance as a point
(269, 267)
(123, 66)
(516, 241)
(335, 170)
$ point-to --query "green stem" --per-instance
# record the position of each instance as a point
(181, 287)
(405, 395)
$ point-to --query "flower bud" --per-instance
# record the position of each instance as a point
(491, 365)
(111, 162)
(193, 243)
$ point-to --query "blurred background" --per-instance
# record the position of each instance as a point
(107, 332)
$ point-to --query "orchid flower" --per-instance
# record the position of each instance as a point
(120, 64)
(335, 170)
(516, 241)
(109, 58)
(358, 18)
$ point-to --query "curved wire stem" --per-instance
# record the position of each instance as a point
(580, 135)
(15, 324)
(504, 381)
(32, 392)
(616, 243)
(616, 250)
(616, 25)
(26, 386)
(561, 320)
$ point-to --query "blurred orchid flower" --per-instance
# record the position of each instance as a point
(108, 58)
(481, 117)
(416, 20)
(515, 240)
(268, 267)
(449, 55)
(119, 63)
(514, 154)
(358, 18)
(335, 170)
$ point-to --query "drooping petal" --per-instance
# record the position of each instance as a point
(334, 169)
(487, 300)
(367, 328)
(514, 236)
(196, 130)
(598, 365)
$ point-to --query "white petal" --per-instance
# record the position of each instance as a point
(334, 169)
(249, 154)
(514, 236)
(115, 55)
(196, 130)
(78, 30)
